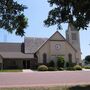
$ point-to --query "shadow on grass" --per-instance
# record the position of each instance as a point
(83, 87)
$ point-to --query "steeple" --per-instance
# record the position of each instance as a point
(72, 36)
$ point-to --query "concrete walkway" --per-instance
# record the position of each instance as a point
(27, 70)
(21, 79)
(86, 69)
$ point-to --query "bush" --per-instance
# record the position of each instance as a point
(51, 69)
(60, 61)
(87, 59)
(60, 69)
(74, 64)
(87, 67)
(42, 68)
(77, 67)
(70, 68)
(51, 63)
(67, 64)
(70, 64)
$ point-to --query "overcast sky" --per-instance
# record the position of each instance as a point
(37, 12)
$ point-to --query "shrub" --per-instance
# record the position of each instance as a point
(51, 69)
(87, 67)
(77, 67)
(60, 61)
(51, 63)
(67, 64)
(87, 59)
(42, 68)
(70, 68)
(74, 64)
(60, 69)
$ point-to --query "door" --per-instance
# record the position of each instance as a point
(26, 64)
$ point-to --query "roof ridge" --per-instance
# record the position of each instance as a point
(11, 42)
(38, 37)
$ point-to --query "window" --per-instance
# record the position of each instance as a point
(74, 37)
(67, 37)
(44, 58)
(70, 58)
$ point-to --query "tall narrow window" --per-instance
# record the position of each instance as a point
(70, 58)
(74, 36)
(44, 58)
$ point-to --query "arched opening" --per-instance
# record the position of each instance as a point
(70, 58)
(35, 56)
(44, 58)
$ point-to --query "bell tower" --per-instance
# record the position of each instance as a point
(72, 36)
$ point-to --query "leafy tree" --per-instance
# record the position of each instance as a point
(12, 17)
(87, 59)
(60, 61)
(76, 12)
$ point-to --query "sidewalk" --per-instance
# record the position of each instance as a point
(27, 70)
(86, 69)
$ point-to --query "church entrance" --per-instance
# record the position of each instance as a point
(26, 64)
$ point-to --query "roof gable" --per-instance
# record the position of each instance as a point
(56, 36)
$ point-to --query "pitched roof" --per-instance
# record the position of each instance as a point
(13, 51)
(10, 47)
(61, 38)
(32, 44)
(16, 55)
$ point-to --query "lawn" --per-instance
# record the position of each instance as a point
(17, 70)
(82, 87)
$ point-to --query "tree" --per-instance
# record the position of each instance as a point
(87, 59)
(76, 12)
(60, 61)
(12, 17)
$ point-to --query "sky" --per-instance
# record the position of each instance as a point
(36, 13)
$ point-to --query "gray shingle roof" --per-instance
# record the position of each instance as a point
(10, 47)
(16, 55)
(32, 44)
(13, 51)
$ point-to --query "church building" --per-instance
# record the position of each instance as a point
(34, 51)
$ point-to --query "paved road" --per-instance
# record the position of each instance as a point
(44, 78)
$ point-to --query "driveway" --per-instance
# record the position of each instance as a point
(27, 79)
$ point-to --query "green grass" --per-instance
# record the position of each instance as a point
(82, 87)
(17, 70)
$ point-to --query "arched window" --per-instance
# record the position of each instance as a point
(44, 58)
(70, 58)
